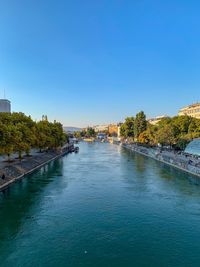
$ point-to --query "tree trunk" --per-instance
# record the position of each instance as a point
(20, 154)
(8, 157)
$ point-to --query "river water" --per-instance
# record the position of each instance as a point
(102, 207)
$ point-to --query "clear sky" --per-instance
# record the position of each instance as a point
(98, 61)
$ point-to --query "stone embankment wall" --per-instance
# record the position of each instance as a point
(190, 164)
(17, 169)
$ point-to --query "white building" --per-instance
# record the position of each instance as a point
(101, 128)
(191, 110)
(157, 119)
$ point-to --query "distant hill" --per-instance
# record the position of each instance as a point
(71, 129)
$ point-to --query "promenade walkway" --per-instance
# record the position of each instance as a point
(183, 161)
(16, 169)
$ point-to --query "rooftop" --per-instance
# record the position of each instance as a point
(192, 106)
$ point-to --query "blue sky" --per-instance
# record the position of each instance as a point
(92, 62)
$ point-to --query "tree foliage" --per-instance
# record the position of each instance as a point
(166, 135)
(89, 132)
(19, 133)
(140, 124)
(127, 128)
(176, 131)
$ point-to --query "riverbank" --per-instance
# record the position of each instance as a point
(16, 170)
(185, 163)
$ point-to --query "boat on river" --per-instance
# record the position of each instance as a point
(88, 139)
(76, 149)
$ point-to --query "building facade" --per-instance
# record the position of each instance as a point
(5, 105)
(101, 128)
(157, 119)
(114, 130)
(191, 110)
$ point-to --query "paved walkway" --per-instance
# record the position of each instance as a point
(17, 168)
(186, 162)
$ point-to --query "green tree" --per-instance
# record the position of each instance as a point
(166, 135)
(57, 135)
(194, 127)
(181, 144)
(90, 132)
(19, 133)
(24, 139)
(77, 135)
(127, 128)
(182, 124)
(149, 135)
(140, 124)
(7, 139)
(42, 135)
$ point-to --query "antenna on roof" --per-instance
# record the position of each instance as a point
(4, 94)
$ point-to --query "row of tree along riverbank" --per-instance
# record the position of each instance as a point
(138, 135)
(175, 132)
(20, 135)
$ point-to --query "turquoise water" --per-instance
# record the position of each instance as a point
(102, 207)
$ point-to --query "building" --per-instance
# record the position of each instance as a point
(193, 147)
(5, 105)
(191, 110)
(114, 129)
(101, 128)
(157, 119)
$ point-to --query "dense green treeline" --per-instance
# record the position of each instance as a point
(19, 133)
(176, 131)
(86, 133)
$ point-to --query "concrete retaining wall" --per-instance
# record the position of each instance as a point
(184, 163)
(18, 169)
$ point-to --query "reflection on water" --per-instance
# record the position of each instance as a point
(176, 178)
(104, 206)
(20, 198)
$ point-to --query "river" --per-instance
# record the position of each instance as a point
(102, 207)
